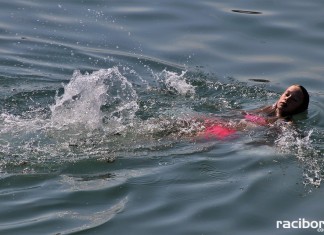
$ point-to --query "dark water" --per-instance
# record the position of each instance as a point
(98, 104)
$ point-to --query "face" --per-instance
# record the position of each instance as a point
(289, 101)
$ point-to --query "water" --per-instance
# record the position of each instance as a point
(100, 109)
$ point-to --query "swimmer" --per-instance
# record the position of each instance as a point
(293, 101)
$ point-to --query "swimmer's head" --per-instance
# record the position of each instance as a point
(293, 101)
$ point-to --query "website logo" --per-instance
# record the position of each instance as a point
(301, 223)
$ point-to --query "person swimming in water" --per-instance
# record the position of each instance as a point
(293, 101)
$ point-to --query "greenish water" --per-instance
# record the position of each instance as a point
(99, 102)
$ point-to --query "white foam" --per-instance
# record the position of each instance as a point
(85, 95)
(174, 81)
(292, 142)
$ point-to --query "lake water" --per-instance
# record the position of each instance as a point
(98, 103)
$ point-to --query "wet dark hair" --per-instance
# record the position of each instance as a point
(304, 106)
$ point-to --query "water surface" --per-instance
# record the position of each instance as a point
(99, 102)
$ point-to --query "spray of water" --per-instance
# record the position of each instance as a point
(91, 100)
(96, 115)
(175, 82)
(291, 141)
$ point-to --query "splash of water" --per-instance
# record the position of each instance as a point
(91, 100)
(176, 82)
(292, 141)
(86, 120)
(91, 107)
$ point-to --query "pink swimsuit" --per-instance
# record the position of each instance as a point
(220, 131)
(256, 119)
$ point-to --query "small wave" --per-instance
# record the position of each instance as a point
(92, 220)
